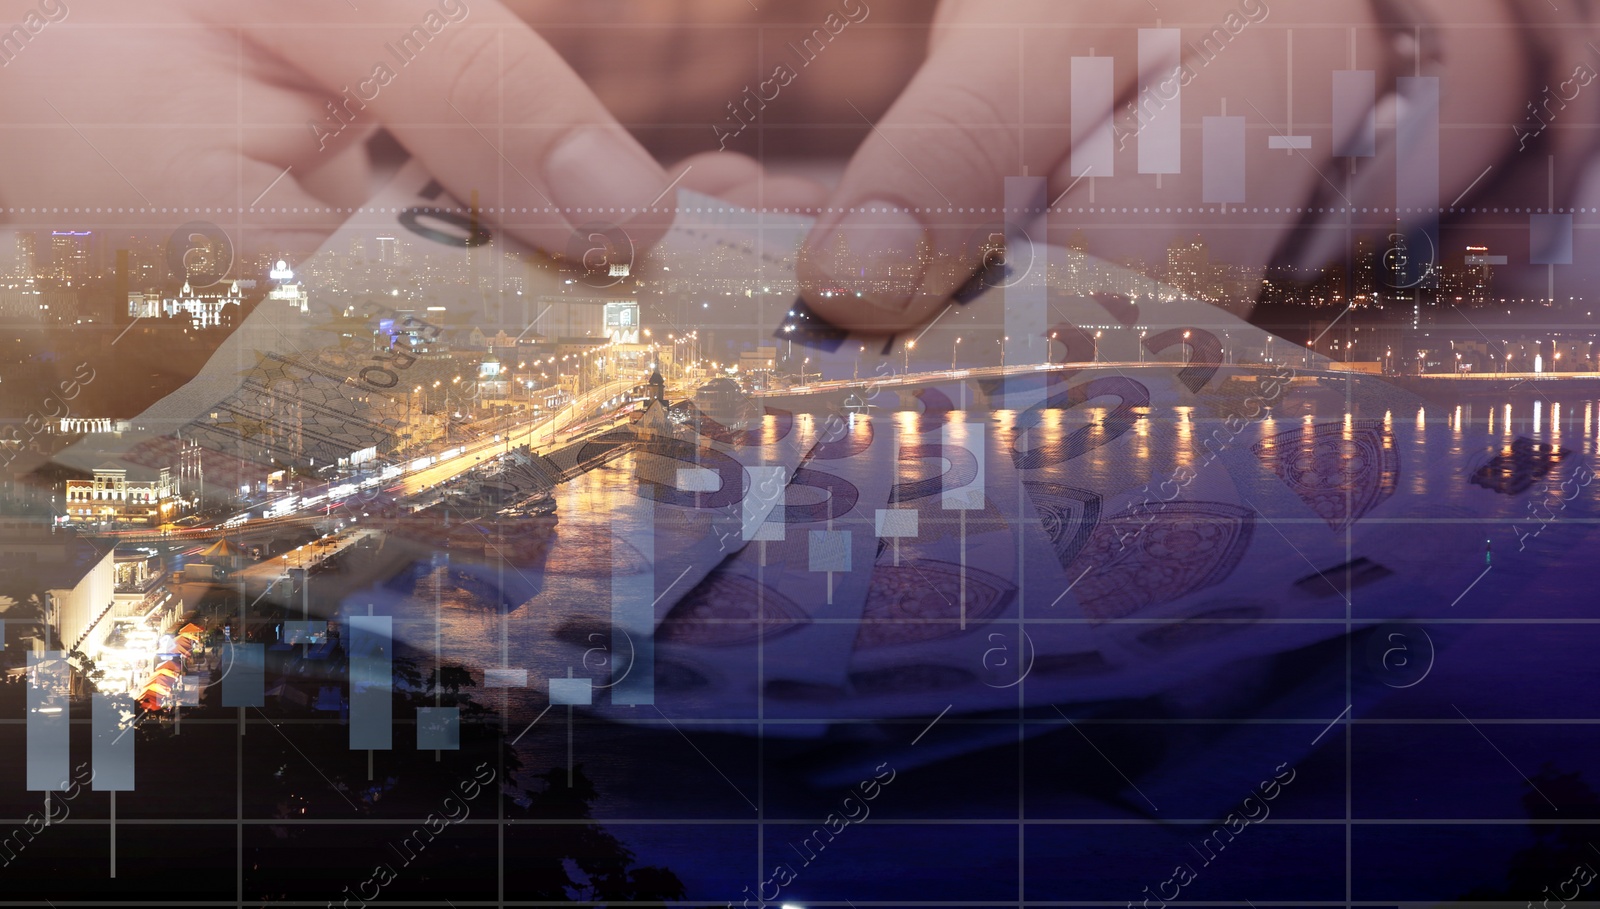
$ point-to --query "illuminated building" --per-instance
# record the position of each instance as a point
(26, 268)
(1189, 268)
(757, 366)
(205, 310)
(69, 256)
(38, 304)
(78, 601)
(1479, 282)
(622, 321)
(111, 497)
(493, 378)
(77, 581)
(286, 290)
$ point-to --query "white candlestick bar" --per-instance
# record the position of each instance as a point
(1355, 125)
(1159, 102)
(1222, 159)
(1093, 93)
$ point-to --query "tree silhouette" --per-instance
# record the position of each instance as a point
(88, 671)
(451, 679)
(307, 771)
(26, 601)
(1557, 848)
(605, 866)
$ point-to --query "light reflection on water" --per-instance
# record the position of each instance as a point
(577, 573)
(574, 587)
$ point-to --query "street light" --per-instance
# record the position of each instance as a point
(910, 346)
(1186, 348)
(953, 349)
(1002, 343)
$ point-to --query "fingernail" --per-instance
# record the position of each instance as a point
(600, 168)
(876, 252)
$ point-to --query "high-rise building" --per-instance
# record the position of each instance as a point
(69, 256)
(1479, 283)
(1364, 273)
(1189, 267)
(387, 253)
(147, 263)
(27, 257)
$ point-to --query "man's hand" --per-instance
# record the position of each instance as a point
(230, 106)
(907, 226)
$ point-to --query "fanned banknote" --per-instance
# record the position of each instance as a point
(1116, 511)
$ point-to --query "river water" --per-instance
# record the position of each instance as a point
(1488, 646)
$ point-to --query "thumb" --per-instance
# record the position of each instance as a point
(907, 225)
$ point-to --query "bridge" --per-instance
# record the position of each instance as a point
(985, 388)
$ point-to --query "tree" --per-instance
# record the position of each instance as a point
(451, 679)
(1557, 848)
(605, 866)
(24, 601)
(87, 671)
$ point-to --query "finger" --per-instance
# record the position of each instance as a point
(714, 173)
(343, 181)
(894, 233)
(289, 218)
(742, 180)
(485, 104)
(779, 193)
(993, 101)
